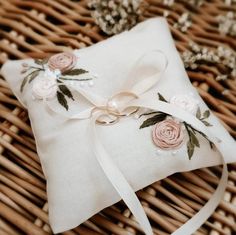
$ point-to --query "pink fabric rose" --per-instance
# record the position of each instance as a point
(168, 134)
(62, 61)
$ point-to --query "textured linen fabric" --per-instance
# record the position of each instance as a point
(77, 187)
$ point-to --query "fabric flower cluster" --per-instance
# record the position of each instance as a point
(53, 75)
(169, 133)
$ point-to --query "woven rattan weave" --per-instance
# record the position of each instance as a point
(43, 27)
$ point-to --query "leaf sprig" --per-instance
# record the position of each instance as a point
(64, 92)
(203, 117)
(33, 72)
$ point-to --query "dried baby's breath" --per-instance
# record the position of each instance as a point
(198, 55)
(227, 23)
(115, 16)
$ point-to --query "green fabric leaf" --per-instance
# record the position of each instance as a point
(29, 78)
(190, 148)
(150, 113)
(25, 80)
(206, 123)
(64, 89)
(58, 81)
(198, 114)
(211, 144)
(62, 100)
(161, 98)
(193, 139)
(76, 79)
(41, 61)
(74, 72)
(153, 120)
(33, 75)
(206, 114)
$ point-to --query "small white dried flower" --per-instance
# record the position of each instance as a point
(201, 55)
(197, 3)
(168, 2)
(221, 77)
(166, 13)
(184, 22)
(227, 23)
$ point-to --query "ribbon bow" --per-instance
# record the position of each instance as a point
(135, 95)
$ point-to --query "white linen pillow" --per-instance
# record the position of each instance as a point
(77, 187)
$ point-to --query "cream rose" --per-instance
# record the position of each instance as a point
(188, 103)
(62, 61)
(168, 134)
(45, 88)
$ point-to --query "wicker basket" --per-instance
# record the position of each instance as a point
(43, 27)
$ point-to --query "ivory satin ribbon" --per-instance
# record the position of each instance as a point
(137, 96)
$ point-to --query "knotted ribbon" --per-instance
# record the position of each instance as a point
(134, 95)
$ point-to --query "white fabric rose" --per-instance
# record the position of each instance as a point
(186, 102)
(52, 74)
(45, 88)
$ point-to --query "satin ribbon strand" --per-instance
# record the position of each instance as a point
(131, 97)
(117, 179)
(208, 209)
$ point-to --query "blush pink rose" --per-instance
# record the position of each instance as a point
(62, 61)
(168, 134)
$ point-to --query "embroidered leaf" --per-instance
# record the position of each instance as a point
(211, 145)
(58, 81)
(146, 114)
(75, 79)
(202, 134)
(190, 148)
(62, 100)
(64, 89)
(75, 72)
(194, 139)
(24, 71)
(161, 98)
(153, 120)
(25, 80)
(206, 114)
(206, 123)
(33, 75)
(41, 61)
(198, 114)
